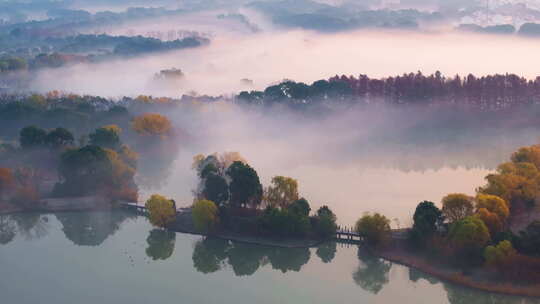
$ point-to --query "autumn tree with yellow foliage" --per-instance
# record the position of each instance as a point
(161, 211)
(282, 192)
(152, 124)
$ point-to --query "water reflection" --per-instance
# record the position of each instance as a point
(373, 272)
(160, 244)
(91, 228)
(7, 229)
(211, 255)
(31, 225)
(373, 275)
(327, 251)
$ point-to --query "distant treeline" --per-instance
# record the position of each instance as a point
(527, 29)
(493, 92)
(56, 52)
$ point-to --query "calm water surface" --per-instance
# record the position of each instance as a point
(103, 257)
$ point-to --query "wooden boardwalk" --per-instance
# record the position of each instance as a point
(348, 235)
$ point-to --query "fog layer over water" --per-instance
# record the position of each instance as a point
(382, 159)
(271, 56)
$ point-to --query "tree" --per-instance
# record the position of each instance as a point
(84, 170)
(161, 210)
(527, 155)
(374, 228)
(216, 189)
(106, 137)
(205, 215)
(493, 204)
(282, 222)
(427, 220)
(469, 234)
(32, 137)
(59, 138)
(491, 219)
(325, 225)
(457, 206)
(300, 207)
(529, 241)
(282, 192)
(245, 186)
(151, 124)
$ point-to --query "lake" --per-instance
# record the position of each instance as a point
(115, 257)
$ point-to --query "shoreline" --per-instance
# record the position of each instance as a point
(447, 274)
(391, 254)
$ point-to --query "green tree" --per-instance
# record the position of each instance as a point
(282, 192)
(300, 207)
(529, 240)
(205, 215)
(457, 206)
(160, 244)
(245, 186)
(325, 223)
(160, 210)
(84, 170)
(283, 223)
(32, 137)
(374, 228)
(216, 189)
(59, 138)
(469, 234)
(427, 220)
(106, 137)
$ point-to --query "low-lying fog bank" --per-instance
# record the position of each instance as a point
(384, 159)
(269, 57)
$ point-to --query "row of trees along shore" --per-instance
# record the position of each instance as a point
(231, 198)
(491, 92)
(98, 163)
(492, 229)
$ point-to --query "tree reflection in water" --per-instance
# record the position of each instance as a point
(373, 273)
(91, 228)
(211, 255)
(327, 251)
(31, 225)
(160, 244)
(7, 229)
